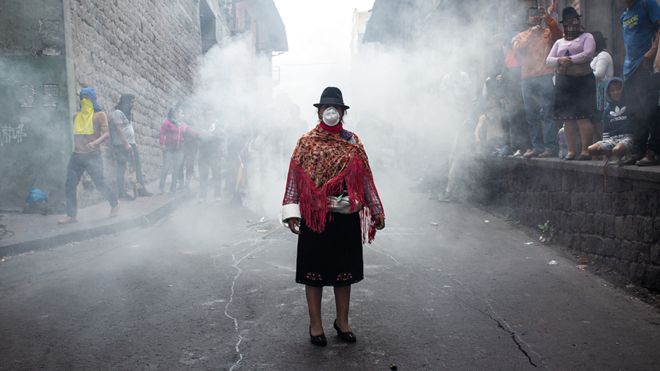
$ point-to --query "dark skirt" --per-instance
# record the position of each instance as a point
(333, 257)
(575, 97)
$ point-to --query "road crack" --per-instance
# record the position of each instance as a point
(236, 265)
(533, 357)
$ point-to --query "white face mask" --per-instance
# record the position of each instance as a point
(331, 116)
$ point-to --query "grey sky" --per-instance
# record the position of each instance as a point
(319, 35)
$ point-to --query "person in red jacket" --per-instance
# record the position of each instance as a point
(172, 133)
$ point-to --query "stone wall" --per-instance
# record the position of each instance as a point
(610, 214)
(144, 47)
(31, 27)
(34, 134)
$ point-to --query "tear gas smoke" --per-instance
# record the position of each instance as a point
(411, 102)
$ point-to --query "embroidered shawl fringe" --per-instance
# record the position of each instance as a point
(313, 200)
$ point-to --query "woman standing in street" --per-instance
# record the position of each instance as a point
(575, 84)
(332, 204)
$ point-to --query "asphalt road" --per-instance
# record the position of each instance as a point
(447, 287)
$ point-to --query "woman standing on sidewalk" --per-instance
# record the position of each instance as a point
(171, 143)
(575, 84)
(332, 204)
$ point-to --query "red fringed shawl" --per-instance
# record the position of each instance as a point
(327, 164)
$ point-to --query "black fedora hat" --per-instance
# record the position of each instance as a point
(569, 13)
(331, 96)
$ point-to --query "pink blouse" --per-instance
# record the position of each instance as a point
(580, 50)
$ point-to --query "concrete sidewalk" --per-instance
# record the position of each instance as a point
(28, 232)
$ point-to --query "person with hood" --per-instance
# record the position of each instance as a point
(602, 67)
(90, 129)
(332, 204)
(618, 125)
(172, 133)
(124, 145)
(575, 84)
(531, 48)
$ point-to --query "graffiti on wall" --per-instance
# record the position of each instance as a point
(47, 95)
(10, 134)
(26, 96)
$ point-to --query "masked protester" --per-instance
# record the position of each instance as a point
(575, 84)
(90, 129)
(332, 204)
(124, 145)
(531, 49)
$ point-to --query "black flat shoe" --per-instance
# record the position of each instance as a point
(318, 340)
(346, 337)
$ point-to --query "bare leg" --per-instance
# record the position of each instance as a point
(586, 134)
(314, 295)
(619, 149)
(569, 134)
(342, 302)
(597, 150)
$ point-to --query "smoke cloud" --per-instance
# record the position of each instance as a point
(414, 102)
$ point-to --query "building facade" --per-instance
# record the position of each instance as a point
(49, 49)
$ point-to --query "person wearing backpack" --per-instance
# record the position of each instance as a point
(641, 21)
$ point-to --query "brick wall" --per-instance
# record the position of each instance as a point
(610, 214)
(144, 47)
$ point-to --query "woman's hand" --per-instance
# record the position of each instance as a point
(294, 225)
(565, 61)
(379, 221)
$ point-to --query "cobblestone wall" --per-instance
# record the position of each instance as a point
(610, 214)
(144, 47)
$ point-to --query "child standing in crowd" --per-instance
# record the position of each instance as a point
(617, 124)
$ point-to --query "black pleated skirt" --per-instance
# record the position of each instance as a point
(575, 97)
(333, 257)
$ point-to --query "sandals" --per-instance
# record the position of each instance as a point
(581, 157)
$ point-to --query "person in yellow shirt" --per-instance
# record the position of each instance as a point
(90, 129)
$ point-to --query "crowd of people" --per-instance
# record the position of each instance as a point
(182, 147)
(555, 93)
